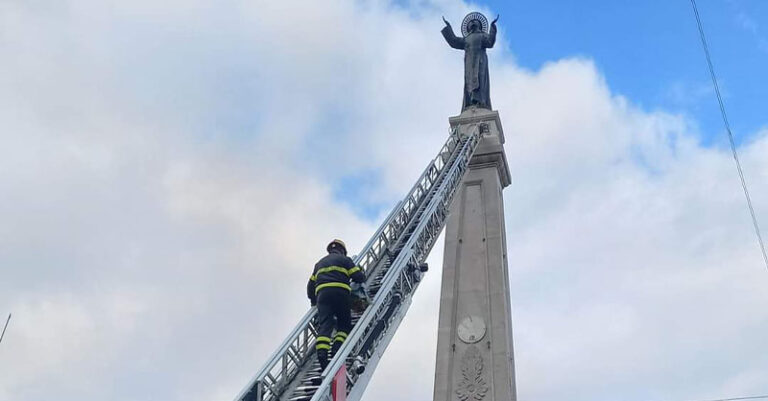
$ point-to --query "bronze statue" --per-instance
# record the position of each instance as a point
(476, 38)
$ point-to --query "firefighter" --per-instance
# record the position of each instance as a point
(329, 289)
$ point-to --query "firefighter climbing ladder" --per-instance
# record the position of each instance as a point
(394, 263)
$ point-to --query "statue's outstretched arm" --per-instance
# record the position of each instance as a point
(453, 40)
(490, 38)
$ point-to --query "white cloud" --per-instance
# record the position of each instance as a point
(168, 177)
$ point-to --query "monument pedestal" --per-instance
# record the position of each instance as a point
(474, 349)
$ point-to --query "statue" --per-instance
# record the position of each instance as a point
(476, 38)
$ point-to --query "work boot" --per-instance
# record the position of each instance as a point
(322, 357)
(335, 348)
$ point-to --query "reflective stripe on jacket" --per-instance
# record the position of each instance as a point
(333, 271)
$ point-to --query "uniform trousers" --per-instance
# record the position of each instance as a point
(333, 309)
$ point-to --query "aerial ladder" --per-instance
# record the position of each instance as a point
(394, 262)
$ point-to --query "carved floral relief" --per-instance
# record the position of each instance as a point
(473, 386)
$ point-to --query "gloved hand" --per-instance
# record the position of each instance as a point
(313, 302)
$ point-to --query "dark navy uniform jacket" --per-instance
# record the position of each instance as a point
(333, 271)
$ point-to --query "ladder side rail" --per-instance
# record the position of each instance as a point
(407, 253)
(373, 249)
(416, 199)
(407, 281)
(408, 206)
(427, 178)
(410, 229)
(403, 256)
(437, 163)
(450, 160)
(375, 238)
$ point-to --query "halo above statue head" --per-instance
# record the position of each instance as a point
(474, 16)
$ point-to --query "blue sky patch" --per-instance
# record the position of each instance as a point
(359, 192)
(650, 52)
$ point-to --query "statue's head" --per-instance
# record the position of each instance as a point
(474, 22)
(474, 26)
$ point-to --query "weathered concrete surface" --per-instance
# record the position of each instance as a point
(475, 364)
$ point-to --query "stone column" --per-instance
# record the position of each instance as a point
(474, 348)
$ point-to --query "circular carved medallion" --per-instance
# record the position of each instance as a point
(471, 329)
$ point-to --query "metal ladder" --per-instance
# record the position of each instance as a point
(394, 263)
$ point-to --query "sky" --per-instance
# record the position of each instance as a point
(650, 51)
(170, 172)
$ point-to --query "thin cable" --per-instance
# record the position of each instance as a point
(730, 134)
(756, 397)
(6, 326)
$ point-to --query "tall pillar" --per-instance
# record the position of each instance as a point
(474, 348)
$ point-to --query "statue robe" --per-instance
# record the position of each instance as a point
(476, 80)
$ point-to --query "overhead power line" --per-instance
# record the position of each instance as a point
(730, 134)
(5, 327)
(754, 397)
